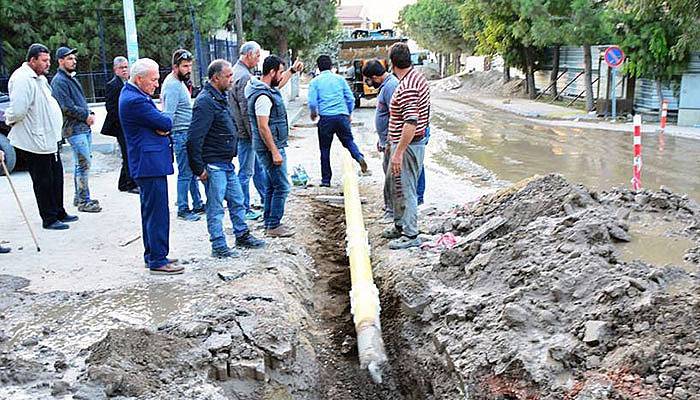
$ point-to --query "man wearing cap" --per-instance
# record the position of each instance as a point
(77, 120)
(177, 104)
(112, 126)
(35, 120)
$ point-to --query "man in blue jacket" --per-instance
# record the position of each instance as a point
(331, 98)
(211, 146)
(150, 157)
(77, 120)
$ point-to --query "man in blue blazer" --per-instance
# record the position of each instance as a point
(150, 156)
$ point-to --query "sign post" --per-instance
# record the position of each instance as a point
(614, 57)
(132, 43)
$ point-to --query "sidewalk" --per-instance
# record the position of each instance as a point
(551, 114)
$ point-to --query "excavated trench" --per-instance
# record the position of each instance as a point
(341, 377)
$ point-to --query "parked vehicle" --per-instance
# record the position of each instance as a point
(362, 46)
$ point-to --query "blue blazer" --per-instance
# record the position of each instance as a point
(149, 153)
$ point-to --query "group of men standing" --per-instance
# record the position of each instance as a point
(206, 137)
(402, 123)
(233, 115)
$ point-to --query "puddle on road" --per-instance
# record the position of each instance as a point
(514, 148)
(85, 321)
(655, 241)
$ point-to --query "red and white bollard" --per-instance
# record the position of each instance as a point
(637, 165)
(664, 114)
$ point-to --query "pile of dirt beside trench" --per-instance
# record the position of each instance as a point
(536, 301)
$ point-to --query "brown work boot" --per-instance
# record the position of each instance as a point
(168, 269)
(280, 231)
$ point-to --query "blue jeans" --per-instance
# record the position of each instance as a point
(277, 191)
(81, 145)
(155, 220)
(186, 181)
(327, 127)
(250, 167)
(222, 184)
(421, 178)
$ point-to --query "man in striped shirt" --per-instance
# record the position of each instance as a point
(409, 113)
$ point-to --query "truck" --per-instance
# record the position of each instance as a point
(362, 46)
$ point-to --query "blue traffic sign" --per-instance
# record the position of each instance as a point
(614, 56)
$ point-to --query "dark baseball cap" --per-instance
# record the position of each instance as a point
(65, 51)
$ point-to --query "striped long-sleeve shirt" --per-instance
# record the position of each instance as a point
(410, 103)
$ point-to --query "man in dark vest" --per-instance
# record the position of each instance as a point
(270, 129)
(112, 126)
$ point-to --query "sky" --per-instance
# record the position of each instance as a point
(385, 11)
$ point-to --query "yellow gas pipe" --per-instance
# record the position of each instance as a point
(364, 295)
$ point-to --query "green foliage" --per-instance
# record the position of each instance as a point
(436, 25)
(657, 35)
(329, 46)
(284, 24)
(162, 25)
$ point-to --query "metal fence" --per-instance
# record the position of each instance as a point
(94, 82)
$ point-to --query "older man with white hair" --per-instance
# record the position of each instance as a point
(249, 166)
(150, 155)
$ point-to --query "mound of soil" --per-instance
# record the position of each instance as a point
(536, 301)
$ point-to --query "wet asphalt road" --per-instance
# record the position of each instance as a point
(513, 148)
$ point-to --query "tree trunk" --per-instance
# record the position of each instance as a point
(659, 95)
(458, 62)
(530, 72)
(295, 54)
(441, 64)
(506, 72)
(555, 72)
(283, 47)
(239, 24)
(588, 77)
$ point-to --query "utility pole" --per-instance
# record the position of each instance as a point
(239, 25)
(132, 42)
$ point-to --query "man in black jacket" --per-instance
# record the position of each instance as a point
(211, 146)
(112, 126)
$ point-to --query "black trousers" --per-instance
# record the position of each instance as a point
(46, 172)
(125, 181)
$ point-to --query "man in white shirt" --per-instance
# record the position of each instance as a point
(36, 121)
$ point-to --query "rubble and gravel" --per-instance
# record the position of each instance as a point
(541, 306)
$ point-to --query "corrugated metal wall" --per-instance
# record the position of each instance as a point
(646, 98)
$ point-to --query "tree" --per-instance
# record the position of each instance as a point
(163, 26)
(437, 26)
(329, 46)
(587, 26)
(506, 31)
(284, 24)
(657, 36)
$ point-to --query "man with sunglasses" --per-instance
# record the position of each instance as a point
(77, 122)
(177, 103)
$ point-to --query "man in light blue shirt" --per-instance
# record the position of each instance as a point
(330, 98)
(177, 105)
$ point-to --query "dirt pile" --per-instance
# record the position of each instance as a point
(536, 301)
(484, 82)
